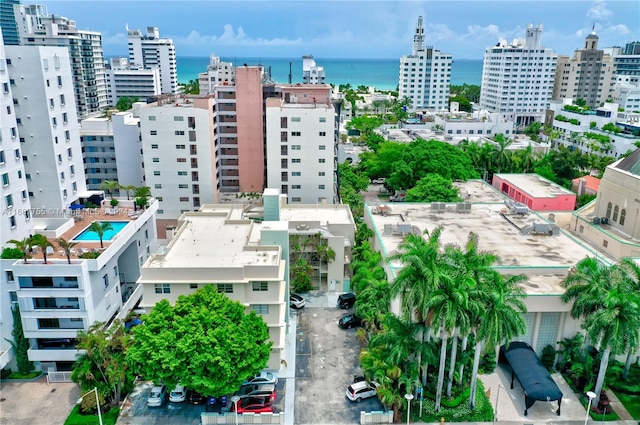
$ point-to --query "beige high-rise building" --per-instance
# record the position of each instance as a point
(587, 75)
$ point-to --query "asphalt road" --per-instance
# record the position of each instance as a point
(326, 361)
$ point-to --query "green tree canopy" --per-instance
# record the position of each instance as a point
(463, 103)
(365, 123)
(469, 91)
(125, 103)
(206, 342)
(433, 188)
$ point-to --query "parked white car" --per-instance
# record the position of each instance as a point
(358, 391)
(157, 396)
(178, 394)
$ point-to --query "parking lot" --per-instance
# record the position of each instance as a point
(136, 411)
(326, 361)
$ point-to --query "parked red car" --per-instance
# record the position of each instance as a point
(255, 405)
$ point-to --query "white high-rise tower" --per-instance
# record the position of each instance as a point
(151, 51)
(517, 78)
(425, 75)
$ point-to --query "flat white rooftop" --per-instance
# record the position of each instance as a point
(545, 259)
(210, 240)
(478, 191)
(535, 185)
(323, 213)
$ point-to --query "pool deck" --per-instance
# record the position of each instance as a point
(84, 218)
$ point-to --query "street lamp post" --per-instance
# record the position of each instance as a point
(95, 391)
(409, 397)
(235, 399)
(591, 396)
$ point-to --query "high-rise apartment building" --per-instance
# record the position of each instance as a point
(38, 28)
(587, 75)
(632, 48)
(124, 80)
(179, 156)
(218, 73)
(300, 143)
(518, 77)
(15, 221)
(47, 124)
(8, 22)
(425, 75)
(311, 72)
(150, 51)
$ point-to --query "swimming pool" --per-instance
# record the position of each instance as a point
(88, 236)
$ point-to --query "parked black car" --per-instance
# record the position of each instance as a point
(196, 398)
(347, 300)
(349, 321)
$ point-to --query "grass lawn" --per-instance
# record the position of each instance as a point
(75, 418)
(631, 403)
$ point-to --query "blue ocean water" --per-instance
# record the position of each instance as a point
(381, 73)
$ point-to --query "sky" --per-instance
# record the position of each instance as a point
(350, 29)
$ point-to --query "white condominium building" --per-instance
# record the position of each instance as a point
(300, 139)
(587, 75)
(425, 75)
(38, 28)
(151, 51)
(312, 73)
(179, 156)
(518, 77)
(124, 80)
(47, 124)
(218, 73)
(15, 221)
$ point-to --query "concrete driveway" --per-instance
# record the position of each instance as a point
(36, 403)
(326, 361)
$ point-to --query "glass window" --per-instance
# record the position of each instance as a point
(226, 288)
(261, 308)
(162, 288)
(609, 210)
(260, 286)
(623, 216)
(615, 213)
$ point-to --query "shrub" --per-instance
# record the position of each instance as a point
(483, 411)
(11, 254)
(562, 118)
(76, 418)
(488, 362)
(29, 375)
(548, 357)
(89, 255)
(114, 202)
(593, 124)
(90, 205)
(574, 121)
(5, 373)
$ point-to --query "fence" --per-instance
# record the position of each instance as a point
(243, 418)
(58, 377)
(376, 417)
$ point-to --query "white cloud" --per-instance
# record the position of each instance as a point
(231, 37)
(599, 11)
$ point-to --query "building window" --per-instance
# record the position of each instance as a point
(296, 147)
(323, 119)
(184, 199)
(155, 159)
(615, 213)
(295, 186)
(176, 118)
(295, 173)
(152, 117)
(321, 173)
(295, 160)
(181, 160)
(9, 275)
(609, 210)
(183, 186)
(154, 133)
(226, 288)
(179, 132)
(158, 186)
(605, 243)
(260, 286)
(623, 215)
(156, 173)
(162, 288)
(321, 160)
(182, 173)
(295, 133)
(322, 133)
(5, 179)
(322, 147)
(193, 286)
(296, 119)
(283, 122)
(105, 280)
(49, 323)
(261, 308)
(13, 297)
(296, 199)
(181, 147)
(321, 186)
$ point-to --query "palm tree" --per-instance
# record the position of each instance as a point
(631, 271)
(501, 319)
(22, 245)
(586, 284)
(100, 228)
(111, 186)
(502, 153)
(142, 195)
(128, 188)
(43, 243)
(527, 159)
(66, 246)
(616, 325)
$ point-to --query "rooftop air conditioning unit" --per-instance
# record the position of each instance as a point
(596, 220)
(604, 220)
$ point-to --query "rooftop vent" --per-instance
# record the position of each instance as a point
(302, 227)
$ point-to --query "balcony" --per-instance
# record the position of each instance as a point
(54, 354)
